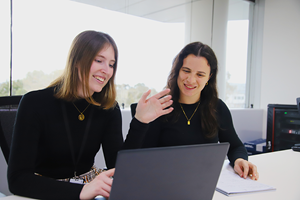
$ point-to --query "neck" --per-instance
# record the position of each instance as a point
(188, 100)
(81, 94)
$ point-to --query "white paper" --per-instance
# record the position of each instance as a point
(231, 183)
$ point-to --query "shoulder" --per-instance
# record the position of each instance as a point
(221, 104)
(222, 108)
(37, 97)
(114, 110)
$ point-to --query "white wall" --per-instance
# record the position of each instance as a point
(281, 53)
(280, 63)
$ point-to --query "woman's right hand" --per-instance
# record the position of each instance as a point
(101, 185)
(149, 109)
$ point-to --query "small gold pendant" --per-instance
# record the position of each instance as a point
(188, 122)
(81, 117)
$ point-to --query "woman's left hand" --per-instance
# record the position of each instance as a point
(148, 110)
(245, 168)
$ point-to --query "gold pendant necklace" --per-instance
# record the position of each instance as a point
(81, 115)
(189, 119)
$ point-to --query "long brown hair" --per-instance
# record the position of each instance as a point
(209, 94)
(82, 53)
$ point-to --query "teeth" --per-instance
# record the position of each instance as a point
(100, 79)
(189, 87)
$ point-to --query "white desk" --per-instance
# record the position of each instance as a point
(279, 169)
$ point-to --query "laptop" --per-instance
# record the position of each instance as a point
(168, 173)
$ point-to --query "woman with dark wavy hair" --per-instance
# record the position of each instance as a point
(199, 116)
(60, 129)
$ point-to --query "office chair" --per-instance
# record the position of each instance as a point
(132, 109)
(8, 111)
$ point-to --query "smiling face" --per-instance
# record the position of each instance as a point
(193, 75)
(100, 72)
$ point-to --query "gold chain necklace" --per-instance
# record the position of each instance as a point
(81, 115)
(189, 119)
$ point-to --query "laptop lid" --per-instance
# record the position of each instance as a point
(179, 172)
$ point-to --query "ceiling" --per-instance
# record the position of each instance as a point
(159, 10)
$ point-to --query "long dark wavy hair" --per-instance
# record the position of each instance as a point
(83, 51)
(209, 94)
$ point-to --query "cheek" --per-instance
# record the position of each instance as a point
(111, 72)
(179, 81)
(202, 82)
(180, 77)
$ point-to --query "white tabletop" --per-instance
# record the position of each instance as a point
(278, 169)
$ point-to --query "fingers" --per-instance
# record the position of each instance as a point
(245, 168)
(109, 172)
(105, 182)
(238, 167)
(149, 109)
(106, 177)
(165, 99)
(253, 172)
(238, 170)
(101, 185)
(162, 93)
(166, 102)
(144, 96)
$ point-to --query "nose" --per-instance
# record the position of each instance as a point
(191, 78)
(104, 68)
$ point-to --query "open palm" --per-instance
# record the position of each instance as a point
(148, 110)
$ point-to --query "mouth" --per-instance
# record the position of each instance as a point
(99, 78)
(189, 87)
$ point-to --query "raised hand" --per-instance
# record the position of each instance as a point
(149, 109)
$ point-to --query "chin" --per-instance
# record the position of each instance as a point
(97, 90)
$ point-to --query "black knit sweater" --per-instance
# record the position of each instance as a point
(40, 144)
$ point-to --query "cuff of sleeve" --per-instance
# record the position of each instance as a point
(137, 125)
(136, 134)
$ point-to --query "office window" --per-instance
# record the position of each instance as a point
(148, 34)
(41, 40)
(237, 53)
(5, 48)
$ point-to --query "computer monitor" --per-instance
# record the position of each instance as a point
(283, 126)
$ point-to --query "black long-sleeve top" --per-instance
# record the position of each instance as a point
(40, 144)
(161, 133)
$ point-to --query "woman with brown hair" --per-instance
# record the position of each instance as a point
(60, 129)
(199, 116)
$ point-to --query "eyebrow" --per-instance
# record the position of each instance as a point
(201, 72)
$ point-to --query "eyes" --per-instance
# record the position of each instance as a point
(102, 61)
(187, 71)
